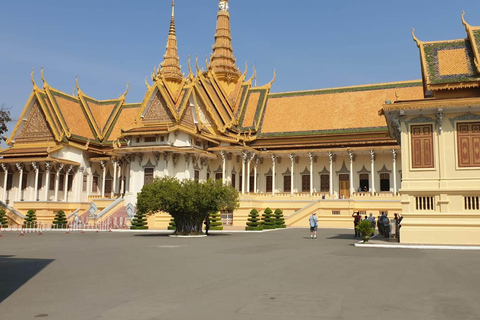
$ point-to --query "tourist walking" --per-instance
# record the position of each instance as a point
(313, 225)
(398, 220)
(356, 220)
(207, 224)
(386, 225)
(371, 218)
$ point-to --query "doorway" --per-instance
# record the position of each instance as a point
(108, 188)
(344, 186)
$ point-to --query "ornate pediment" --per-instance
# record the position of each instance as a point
(35, 126)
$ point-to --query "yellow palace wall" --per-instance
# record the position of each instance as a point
(449, 222)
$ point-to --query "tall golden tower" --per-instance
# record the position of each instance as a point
(222, 60)
(170, 68)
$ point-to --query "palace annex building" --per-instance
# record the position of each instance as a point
(411, 147)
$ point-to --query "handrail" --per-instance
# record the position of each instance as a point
(11, 209)
(73, 213)
(304, 208)
(107, 209)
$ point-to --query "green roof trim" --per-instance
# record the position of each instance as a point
(323, 132)
(260, 104)
(242, 99)
(347, 89)
(65, 96)
(431, 56)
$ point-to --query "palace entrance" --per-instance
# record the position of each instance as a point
(344, 186)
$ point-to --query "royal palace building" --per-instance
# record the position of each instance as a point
(411, 147)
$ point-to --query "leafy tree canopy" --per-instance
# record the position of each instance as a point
(5, 118)
(187, 201)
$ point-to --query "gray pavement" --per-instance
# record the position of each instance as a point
(274, 275)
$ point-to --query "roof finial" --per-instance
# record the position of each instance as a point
(190, 72)
(126, 92)
(196, 63)
(170, 68)
(415, 38)
(146, 83)
(78, 87)
(467, 26)
(31, 77)
(274, 77)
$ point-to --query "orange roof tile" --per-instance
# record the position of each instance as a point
(74, 116)
(126, 120)
(333, 109)
(251, 109)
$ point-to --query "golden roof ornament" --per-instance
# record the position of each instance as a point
(170, 67)
(222, 60)
(418, 42)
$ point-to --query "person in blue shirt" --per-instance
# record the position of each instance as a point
(313, 225)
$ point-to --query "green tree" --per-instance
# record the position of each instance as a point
(254, 223)
(5, 118)
(216, 221)
(30, 220)
(171, 225)
(139, 221)
(3, 219)
(60, 221)
(187, 201)
(268, 220)
(279, 219)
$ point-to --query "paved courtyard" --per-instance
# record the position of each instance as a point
(273, 275)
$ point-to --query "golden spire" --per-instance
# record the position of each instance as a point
(222, 60)
(170, 67)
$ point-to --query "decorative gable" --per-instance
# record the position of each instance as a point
(158, 111)
(35, 127)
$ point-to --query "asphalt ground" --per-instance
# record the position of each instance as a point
(273, 275)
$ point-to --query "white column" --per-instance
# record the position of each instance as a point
(123, 177)
(394, 156)
(65, 186)
(372, 176)
(224, 166)
(255, 176)
(104, 169)
(274, 158)
(292, 159)
(310, 157)
(248, 172)
(35, 187)
(57, 180)
(115, 163)
(20, 178)
(48, 165)
(244, 160)
(187, 165)
(330, 158)
(166, 157)
(5, 171)
(352, 158)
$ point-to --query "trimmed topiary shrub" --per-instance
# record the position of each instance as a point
(3, 219)
(139, 221)
(254, 223)
(171, 225)
(279, 220)
(216, 221)
(60, 221)
(30, 220)
(268, 220)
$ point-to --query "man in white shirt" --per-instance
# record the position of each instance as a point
(313, 225)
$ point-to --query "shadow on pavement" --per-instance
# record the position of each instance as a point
(168, 234)
(15, 272)
(348, 236)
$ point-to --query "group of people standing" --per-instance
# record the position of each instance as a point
(382, 224)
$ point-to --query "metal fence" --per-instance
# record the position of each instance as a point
(108, 225)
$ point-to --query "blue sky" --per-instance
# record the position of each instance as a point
(312, 44)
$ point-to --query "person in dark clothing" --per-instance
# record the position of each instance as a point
(207, 224)
(398, 220)
(356, 220)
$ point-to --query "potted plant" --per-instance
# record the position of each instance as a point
(365, 228)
